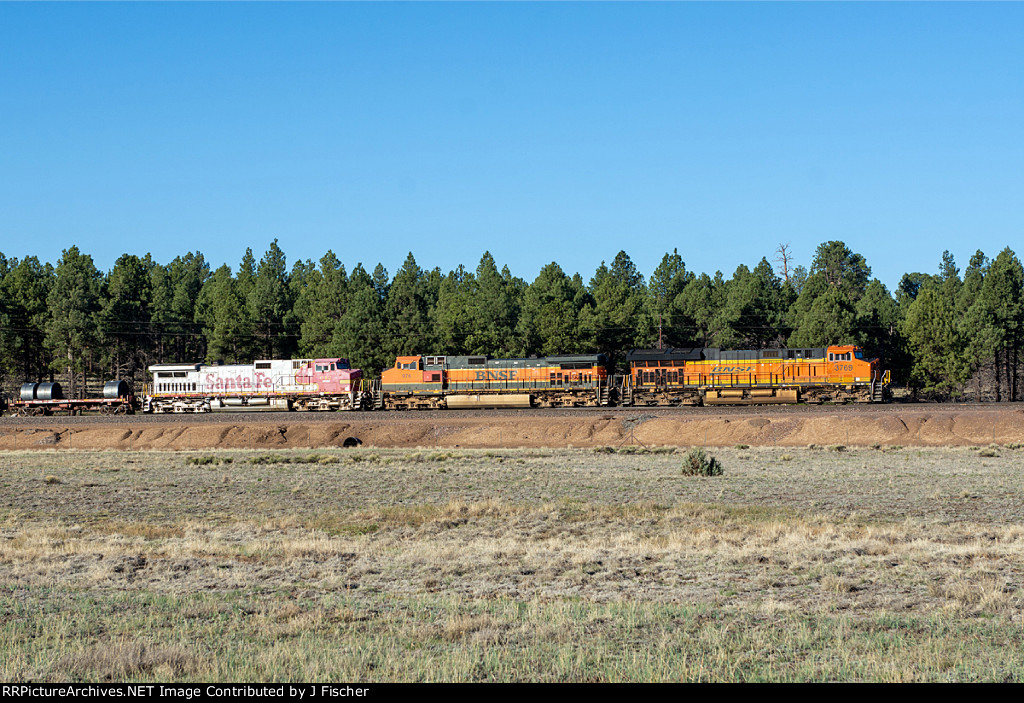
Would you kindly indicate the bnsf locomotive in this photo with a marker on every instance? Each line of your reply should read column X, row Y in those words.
column 482, row 382
column 711, row 376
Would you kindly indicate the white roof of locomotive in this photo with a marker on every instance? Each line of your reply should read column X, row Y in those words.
column 175, row 367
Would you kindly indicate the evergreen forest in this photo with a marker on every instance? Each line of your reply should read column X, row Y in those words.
column 955, row 333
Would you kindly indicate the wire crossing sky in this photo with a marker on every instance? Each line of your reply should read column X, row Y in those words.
column 539, row 132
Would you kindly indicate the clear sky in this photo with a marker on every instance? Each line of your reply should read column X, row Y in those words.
column 540, row 132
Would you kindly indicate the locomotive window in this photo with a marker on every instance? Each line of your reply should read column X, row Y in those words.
column 332, row 367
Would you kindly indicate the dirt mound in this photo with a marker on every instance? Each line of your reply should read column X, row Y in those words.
column 911, row 427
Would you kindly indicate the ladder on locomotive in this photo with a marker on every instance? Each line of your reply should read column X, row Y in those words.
column 878, row 388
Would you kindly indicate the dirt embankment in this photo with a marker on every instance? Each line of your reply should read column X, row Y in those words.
column 912, row 427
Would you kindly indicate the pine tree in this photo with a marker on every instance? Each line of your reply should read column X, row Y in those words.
column 996, row 322
column 24, row 290
column 124, row 315
column 269, row 303
column 619, row 316
column 450, row 317
column 361, row 333
column 220, row 310
column 700, row 303
column 321, row 305
column 406, row 311
column 667, row 282
column 841, row 268
column 549, row 322
column 73, row 302
column 831, row 319
column 936, row 349
column 493, row 310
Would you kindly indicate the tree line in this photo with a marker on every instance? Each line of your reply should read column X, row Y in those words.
column 945, row 335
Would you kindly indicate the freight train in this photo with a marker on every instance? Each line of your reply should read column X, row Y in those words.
column 657, row 377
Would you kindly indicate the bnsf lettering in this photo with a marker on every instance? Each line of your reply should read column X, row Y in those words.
column 732, row 369
column 496, row 375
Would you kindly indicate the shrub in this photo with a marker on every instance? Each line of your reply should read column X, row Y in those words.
column 698, row 463
column 207, row 460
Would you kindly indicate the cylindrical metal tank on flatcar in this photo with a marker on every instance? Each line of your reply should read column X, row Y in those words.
column 116, row 389
column 49, row 391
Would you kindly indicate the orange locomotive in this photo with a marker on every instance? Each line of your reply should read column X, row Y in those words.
column 483, row 382
column 712, row 376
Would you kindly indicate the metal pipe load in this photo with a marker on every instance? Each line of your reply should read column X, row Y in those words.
column 115, row 389
column 49, row 391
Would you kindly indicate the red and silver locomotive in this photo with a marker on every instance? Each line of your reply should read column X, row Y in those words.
column 275, row 384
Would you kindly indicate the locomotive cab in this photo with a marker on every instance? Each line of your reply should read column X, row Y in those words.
column 328, row 375
column 415, row 374
column 847, row 364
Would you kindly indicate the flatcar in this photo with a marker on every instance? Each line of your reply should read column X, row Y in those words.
column 710, row 376
column 423, row 382
column 270, row 384
column 48, row 399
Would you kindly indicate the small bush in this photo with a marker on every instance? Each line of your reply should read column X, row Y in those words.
column 742, row 446
column 207, row 460
column 988, row 451
column 698, row 463
column 270, row 459
column 786, row 457
column 839, row 448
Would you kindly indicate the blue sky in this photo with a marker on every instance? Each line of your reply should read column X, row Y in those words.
column 540, row 132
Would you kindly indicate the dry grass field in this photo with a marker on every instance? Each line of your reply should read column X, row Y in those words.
column 887, row 564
